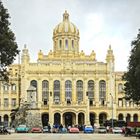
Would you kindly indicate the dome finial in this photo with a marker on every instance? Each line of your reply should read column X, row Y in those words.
column 65, row 16
column 109, row 46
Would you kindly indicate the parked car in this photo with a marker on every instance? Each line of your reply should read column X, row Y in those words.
column 117, row 130
column 46, row 129
column 73, row 130
column 36, row 130
column 102, row 129
column 64, row 130
column 22, row 128
column 10, row 129
column 88, row 129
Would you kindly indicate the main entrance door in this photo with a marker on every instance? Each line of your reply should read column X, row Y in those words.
column 68, row 117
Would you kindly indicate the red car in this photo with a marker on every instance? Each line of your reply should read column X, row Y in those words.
column 73, row 130
column 36, row 130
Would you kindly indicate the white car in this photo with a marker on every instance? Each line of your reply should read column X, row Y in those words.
column 117, row 130
column 10, row 130
column 102, row 129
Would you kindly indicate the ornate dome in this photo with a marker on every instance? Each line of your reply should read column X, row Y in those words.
column 65, row 38
column 66, row 27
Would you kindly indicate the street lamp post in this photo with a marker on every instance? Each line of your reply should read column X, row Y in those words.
column 112, row 109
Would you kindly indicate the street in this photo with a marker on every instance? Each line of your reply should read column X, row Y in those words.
column 30, row 136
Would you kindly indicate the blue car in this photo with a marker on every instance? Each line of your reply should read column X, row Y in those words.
column 88, row 129
column 22, row 128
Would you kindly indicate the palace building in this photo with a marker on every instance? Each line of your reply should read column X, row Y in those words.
column 66, row 86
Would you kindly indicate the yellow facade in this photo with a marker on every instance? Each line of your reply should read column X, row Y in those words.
column 69, row 86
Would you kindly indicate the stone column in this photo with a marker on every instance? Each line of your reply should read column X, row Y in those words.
column 62, row 119
column 51, row 115
column 50, row 91
column 96, row 96
column 62, row 91
column 97, row 121
column 131, row 118
column 39, row 94
column 9, row 120
column 76, row 122
column 87, row 112
column 2, row 118
column 85, row 90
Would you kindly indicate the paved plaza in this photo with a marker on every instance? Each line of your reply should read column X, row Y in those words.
column 65, row 137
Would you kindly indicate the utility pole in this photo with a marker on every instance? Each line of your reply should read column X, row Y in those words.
column 112, row 109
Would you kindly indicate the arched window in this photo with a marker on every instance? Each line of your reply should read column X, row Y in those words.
column 91, row 89
column 135, row 118
column 128, row 118
column 56, row 91
column 66, row 43
column 102, row 91
column 120, row 87
column 6, row 119
column 60, row 43
column 79, row 89
column 72, row 43
column 34, row 84
column 68, row 91
column 120, row 116
column 45, row 92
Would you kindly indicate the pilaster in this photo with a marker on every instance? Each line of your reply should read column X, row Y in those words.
column 74, row 91
column 85, row 90
column 97, row 92
column 39, row 93
column 62, row 95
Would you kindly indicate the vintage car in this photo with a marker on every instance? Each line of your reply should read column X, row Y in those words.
column 46, row 129
column 88, row 129
column 22, row 128
column 73, row 130
column 117, row 130
column 10, row 129
column 36, row 130
column 64, row 130
column 102, row 129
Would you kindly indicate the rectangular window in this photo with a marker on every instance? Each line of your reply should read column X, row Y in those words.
column 13, row 102
column 127, row 103
column 91, row 102
column 6, row 102
column 5, row 88
column 120, row 102
column 13, row 87
column 45, row 101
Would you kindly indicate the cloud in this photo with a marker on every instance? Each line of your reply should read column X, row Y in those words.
column 100, row 23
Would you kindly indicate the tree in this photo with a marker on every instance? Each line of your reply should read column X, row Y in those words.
column 8, row 46
column 132, row 76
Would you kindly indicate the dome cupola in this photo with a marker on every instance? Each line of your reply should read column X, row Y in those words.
column 66, row 36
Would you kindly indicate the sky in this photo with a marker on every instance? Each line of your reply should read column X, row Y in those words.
column 101, row 23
